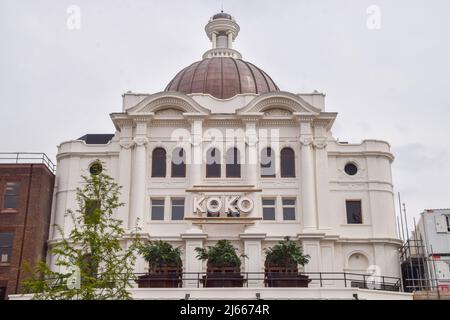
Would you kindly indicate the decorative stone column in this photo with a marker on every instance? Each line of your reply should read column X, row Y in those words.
column 126, row 145
column 196, row 152
column 251, row 163
column 307, row 178
column 230, row 40
column 322, row 188
column 214, row 40
column 69, row 193
column 138, row 189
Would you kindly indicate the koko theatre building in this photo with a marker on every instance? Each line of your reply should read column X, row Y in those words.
column 224, row 153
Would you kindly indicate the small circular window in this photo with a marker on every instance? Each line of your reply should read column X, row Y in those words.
column 96, row 168
column 351, row 169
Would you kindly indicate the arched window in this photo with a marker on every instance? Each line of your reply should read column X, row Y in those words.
column 213, row 163
column 233, row 163
column 178, row 163
column 267, row 163
column 159, row 163
column 287, row 163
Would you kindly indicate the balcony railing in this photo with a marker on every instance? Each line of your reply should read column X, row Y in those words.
column 27, row 157
column 261, row 279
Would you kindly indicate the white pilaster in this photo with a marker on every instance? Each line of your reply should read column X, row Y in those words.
column 126, row 145
column 312, row 248
column 253, row 262
column 193, row 239
column 321, row 177
column 251, row 163
column 195, row 175
column 139, row 176
column 307, row 178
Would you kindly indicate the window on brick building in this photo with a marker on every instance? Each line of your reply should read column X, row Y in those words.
column 2, row 293
column 11, row 197
column 6, row 244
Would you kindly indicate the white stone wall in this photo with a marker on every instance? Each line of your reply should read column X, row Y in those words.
column 320, row 186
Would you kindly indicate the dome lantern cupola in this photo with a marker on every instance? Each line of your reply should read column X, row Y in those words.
column 222, row 73
column 222, row 30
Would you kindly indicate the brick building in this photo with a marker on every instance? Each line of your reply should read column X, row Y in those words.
column 26, row 191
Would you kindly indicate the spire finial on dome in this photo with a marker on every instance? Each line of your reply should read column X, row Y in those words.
column 222, row 30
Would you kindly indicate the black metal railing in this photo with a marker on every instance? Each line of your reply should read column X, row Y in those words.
column 27, row 157
column 261, row 279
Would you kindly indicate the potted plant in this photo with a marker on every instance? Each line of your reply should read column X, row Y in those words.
column 281, row 265
column 164, row 265
column 223, row 265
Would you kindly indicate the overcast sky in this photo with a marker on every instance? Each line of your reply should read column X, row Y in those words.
column 391, row 83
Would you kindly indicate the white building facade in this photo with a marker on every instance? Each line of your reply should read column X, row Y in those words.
column 223, row 153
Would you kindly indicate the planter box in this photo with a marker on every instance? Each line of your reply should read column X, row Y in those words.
column 223, row 278
column 166, row 277
column 159, row 281
column 281, row 277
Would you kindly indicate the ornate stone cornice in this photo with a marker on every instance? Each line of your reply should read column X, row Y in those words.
column 303, row 117
column 143, row 118
column 169, row 123
column 277, row 122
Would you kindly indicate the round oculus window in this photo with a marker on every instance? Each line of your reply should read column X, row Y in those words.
column 351, row 169
column 96, row 168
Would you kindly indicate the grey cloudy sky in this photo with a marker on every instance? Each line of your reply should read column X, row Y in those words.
column 393, row 84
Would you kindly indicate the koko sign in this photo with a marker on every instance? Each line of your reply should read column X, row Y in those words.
column 223, row 204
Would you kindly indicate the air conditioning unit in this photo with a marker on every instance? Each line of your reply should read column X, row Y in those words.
column 4, row 258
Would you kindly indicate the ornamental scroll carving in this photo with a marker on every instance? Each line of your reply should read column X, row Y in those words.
column 126, row 144
column 140, row 141
column 306, row 141
column 320, row 143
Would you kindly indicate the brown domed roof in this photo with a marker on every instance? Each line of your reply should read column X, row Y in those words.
column 223, row 78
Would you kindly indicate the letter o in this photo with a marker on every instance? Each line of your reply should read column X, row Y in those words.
column 245, row 208
column 211, row 207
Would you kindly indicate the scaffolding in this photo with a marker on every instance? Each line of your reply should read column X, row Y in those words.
column 418, row 262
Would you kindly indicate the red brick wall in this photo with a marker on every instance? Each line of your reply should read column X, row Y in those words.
column 34, row 211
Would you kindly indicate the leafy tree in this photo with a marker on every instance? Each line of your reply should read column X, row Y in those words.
column 160, row 254
column 286, row 253
column 93, row 246
column 222, row 254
